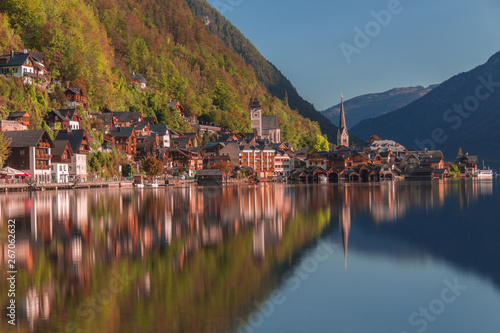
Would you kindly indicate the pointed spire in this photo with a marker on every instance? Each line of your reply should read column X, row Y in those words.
column 342, row 114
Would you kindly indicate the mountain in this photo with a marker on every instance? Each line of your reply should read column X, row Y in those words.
column 95, row 44
column 463, row 111
column 276, row 83
column 373, row 105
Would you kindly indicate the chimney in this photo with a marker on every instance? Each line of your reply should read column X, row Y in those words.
column 12, row 53
column 25, row 51
column 67, row 84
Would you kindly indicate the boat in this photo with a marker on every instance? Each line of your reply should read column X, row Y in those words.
column 322, row 178
column 153, row 185
column 483, row 174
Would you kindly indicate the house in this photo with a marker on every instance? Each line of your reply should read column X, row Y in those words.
column 231, row 150
column 138, row 79
column 21, row 117
column 63, row 119
column 213, row 147
column 22, row 64
column 194, row 138
column 147, row 146
column 259, row 157
column 161, row 130
column 317, row 159
column 211, row 177
column 211, row 160
column 419, row 173
column 177, row 106
column 76, row 97
column 31, row 153
column 126, row 119
column 467, row 164
column 186, row 160
column 358, row 158
column 80, row 148
column 61, row 161
column 432, row 162
column 124, row 139
column 387, row 145
column 182, row 142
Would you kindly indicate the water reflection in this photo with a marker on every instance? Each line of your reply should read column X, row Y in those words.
column 198, row 256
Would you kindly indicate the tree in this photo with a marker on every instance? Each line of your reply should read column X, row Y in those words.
column 454, row 171
column 4, row 149
column 319, row 143
column 374, row 138
column 152, row 167
column 127, row 170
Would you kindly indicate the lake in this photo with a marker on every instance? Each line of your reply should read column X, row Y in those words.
column 381, row 257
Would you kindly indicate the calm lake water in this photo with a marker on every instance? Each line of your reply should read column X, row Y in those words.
column 392, row 257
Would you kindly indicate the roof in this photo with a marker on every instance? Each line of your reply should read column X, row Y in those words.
column 183, row 142
column 75, row 137
column 75, row 90
column 106, row 117
column 18, row 60
column 432, row 160
column 210, row 172
column 213, row 144
column 141, row 125
column 17, row 115
column 269, row 123
column 121, row 132
column 62, row 113
column 173, row 103
column 136, row 76
column 160, row 129
column 59, row 146
column 125, row 116
column 23, row 139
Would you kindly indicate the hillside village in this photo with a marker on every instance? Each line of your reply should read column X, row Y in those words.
column 66, row 155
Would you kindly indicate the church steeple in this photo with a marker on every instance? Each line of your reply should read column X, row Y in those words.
column 342, row 134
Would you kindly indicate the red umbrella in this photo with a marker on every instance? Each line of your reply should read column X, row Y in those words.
column 23, row 175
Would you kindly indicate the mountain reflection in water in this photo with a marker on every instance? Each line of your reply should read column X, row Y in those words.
column 192, row 259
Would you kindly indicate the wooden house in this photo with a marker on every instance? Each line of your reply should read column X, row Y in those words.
column 63, row 119
column 124, row 139
column 76, row 97
column 31, row 153
column 21, row 117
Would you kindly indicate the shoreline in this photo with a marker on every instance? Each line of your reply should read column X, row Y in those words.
column 5, row 188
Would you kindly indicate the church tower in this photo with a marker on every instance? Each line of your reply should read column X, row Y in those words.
column 342, row 134
column 256, row 117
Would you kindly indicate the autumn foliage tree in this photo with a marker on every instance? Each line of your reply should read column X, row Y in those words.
column 152, row 167
column 4, row 149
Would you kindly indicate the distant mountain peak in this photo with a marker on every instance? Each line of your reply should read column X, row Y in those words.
column 374, row 104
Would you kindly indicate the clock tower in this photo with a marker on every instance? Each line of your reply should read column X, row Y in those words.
column 256, row 117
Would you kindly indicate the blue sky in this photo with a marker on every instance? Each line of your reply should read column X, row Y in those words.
column 425, row 42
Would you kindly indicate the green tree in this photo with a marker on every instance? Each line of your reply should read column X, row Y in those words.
column 319, row 143
column 127, row 170
column 152, row 167
column 454, row 171
column 4, row 149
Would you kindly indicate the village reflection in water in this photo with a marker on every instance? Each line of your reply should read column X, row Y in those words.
column 197, row 255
